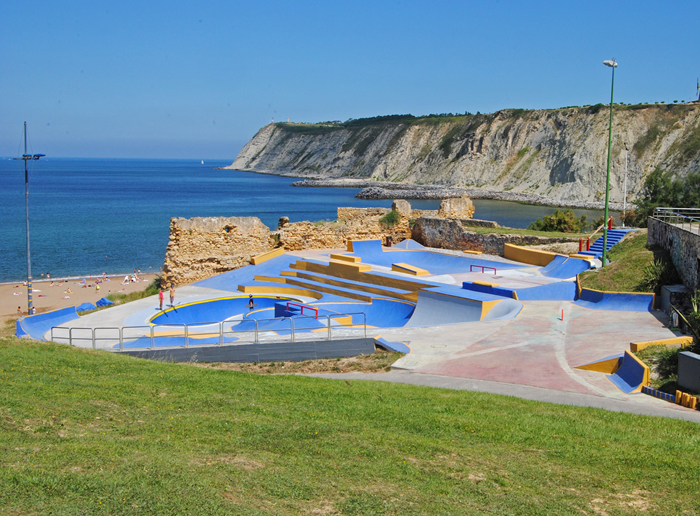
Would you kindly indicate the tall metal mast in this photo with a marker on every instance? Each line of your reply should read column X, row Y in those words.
column 26, row 157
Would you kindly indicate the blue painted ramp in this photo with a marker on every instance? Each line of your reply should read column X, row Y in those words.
column 36, row 326
column 392, row 346
column 380, row 313
column 213, row 310
column 408, row 244
column 435, row 263
column 631, row 376
column 245, row 275
column 448, row 305
column 559, row 291
column 563, row 267
column 367, row 248
column 616, row 301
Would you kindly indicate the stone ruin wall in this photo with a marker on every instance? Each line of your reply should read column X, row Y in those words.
column 203, row 247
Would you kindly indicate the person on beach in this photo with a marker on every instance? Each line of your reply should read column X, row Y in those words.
column 172, row 295
column 19, row 310
column 97, row 287
column 160, row 298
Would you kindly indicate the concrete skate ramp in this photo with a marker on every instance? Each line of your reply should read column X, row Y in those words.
column 632, row 374
column 365, row 248
column 408, row 244
column 559, row 291
column 245, row 275
column 618, row 301
column 380, row 313
column 442, row 306
column 436, row 263
column 36, row 326
column 563, row 267
column 212, row 310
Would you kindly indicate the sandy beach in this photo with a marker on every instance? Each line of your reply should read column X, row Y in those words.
column 46, row 297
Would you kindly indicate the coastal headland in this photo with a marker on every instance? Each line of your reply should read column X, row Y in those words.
column 552, row 156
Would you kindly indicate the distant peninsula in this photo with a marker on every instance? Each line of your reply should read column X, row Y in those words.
column 553, row 156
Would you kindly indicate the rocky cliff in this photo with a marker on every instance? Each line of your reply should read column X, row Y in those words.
column 557, row 154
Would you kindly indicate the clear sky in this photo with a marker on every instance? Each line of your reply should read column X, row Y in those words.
column 185, row 79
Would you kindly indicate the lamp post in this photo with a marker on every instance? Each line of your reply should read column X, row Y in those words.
column 624, row 199
column 612, row 64
column 27, row 157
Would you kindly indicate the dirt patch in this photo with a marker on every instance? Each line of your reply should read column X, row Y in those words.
column 374, row 363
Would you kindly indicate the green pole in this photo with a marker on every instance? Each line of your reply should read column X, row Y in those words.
column 607, row 179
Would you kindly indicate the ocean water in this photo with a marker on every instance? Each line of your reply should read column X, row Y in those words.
column 89, row 216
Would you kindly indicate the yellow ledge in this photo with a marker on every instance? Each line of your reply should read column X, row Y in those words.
column 683, row 341
column 346, row 258
column 261, row 258
column 408, row 269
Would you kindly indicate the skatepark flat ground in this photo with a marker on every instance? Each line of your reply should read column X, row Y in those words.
column 535, row 352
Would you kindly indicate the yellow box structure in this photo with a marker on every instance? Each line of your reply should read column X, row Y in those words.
column 472, row 252
column 525, row 255
column 408, row 269
column 485, row 283
column 682, row 341
column 346, row 258
column 261, row 258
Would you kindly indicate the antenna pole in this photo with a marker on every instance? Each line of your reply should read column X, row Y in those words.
column 26, row 157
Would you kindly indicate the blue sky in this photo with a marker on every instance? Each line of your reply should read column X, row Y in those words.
column 175, row 79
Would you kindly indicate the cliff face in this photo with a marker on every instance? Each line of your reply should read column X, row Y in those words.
column 559, row 154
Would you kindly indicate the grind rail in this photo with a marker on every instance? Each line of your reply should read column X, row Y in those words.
column 684, row 218
column 115, row 335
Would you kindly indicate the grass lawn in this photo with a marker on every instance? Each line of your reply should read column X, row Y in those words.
column 625, row 273
column 532, row 232
column 87, row 432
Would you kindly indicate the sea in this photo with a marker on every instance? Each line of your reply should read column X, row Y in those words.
column 89, row 216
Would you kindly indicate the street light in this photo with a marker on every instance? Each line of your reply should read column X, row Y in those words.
column 612, row 64
column 28, row 157
column 624, row 199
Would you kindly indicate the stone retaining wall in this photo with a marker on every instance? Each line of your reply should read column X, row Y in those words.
column 450, row 234
column 683, row 246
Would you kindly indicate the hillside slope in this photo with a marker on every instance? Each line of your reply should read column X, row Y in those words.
column 559, row 154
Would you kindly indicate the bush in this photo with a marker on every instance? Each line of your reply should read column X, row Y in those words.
column 662, row 189
column 391, row 219
column 657, row 274
column 563, row 221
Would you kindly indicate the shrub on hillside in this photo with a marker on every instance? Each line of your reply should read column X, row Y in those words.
column 563, row 221
column 391, row 219
column 662, row 189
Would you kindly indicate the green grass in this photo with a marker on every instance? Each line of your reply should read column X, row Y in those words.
column 151, row 290
column 88, row 432
column 528, row 232
column 626, row 272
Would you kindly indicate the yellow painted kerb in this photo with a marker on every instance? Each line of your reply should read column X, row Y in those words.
column 261, row 258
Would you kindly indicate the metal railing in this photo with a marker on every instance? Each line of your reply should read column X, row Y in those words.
column 271, row 329
column 684, row 218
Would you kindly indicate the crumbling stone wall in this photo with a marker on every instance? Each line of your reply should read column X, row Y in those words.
column 202, row 247
column 451, row 234
column 352, row 224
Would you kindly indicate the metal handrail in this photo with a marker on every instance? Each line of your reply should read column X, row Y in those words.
column 222, row 331
column 590, row 237
column 678, row 216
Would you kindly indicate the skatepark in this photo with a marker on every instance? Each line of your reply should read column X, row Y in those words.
column 455, row 315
